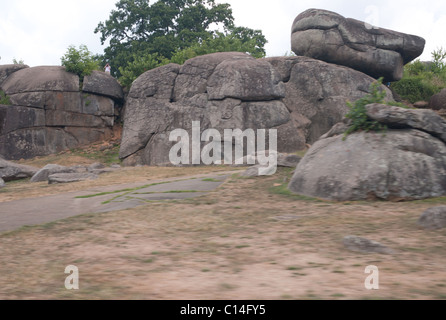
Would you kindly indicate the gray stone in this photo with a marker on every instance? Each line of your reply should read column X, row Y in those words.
column 13, row 118
column 49, row 114
column 2, row 183
column 70, row 177
column 395, row 165
column 395, row 117
column 259, row 170
column 363, row 245
column 288, row 160
column 35, row 79
column 101, row 83
column 300, row 97
column 49, row 169
column 193, row 76
column 330, row 37
column 433, row 218
column 246, row 80
column 8, row 69
column 317, row 93
column 438, row 101
column 10, row 171
column 95, row 166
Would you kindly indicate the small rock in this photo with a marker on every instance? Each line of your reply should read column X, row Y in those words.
column 288, row 160
column 115, row 166
column 433, row 218
column 70, row 177
column 259, row 170
column 49, row 169
column 2, row 183
column 421, row 105
column 95, row 166
column 357, row 244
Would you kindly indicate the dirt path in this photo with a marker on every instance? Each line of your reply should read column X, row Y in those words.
column 33, row 211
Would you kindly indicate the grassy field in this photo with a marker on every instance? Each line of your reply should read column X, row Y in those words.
column 249, row 239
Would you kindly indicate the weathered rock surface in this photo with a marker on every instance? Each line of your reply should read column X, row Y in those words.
column 49, row 169
column 7, row 69
column 70, row 177
column 316, row 94
column 300, row 97
column 438, row 101
column 396, row 165
column 51, row 78
column 400, row 118
column 363, row 245
column 330, row 37
column 49, row 114
column 101, row 83
column 10, row 171
column 433, row 218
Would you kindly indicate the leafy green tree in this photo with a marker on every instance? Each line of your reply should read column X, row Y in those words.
column 80, row 61
column 138, row 66
column 166, row 27
column 422, row 80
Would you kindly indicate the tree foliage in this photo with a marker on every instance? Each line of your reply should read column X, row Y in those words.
column 422, row 80
column 79, row 61
column 138, row 29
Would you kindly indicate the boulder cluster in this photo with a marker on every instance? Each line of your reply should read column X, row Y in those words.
column 304, row 97
column 48, row 113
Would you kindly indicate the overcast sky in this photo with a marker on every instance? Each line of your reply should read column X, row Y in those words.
column 39, row 32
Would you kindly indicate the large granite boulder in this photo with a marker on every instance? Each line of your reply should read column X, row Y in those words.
column 330, row 37
column 7, row 69
column 399, row 164
column 316, row 93
column 300, row 97
column 49, row 114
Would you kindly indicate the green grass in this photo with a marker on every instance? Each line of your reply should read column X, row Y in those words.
column 107, row 157
column 211, row 180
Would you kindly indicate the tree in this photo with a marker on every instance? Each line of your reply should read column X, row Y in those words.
column 79, row 61
column 137, row 28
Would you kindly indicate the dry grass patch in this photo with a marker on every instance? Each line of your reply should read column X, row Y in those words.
column 245, row 240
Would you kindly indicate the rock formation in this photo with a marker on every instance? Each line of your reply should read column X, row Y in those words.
column 10, row 171
column 330, row 37
column 406, row 162
column 48, row 112
column 300, row 97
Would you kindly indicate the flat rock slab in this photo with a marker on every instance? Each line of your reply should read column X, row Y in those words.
column 363, row 245
column 35, row 211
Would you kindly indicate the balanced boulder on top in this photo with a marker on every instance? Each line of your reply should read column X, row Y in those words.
column 330, row 37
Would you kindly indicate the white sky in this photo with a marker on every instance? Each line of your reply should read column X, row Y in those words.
column 39, row 32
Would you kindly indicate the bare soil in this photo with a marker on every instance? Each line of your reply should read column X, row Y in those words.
column 249, row 239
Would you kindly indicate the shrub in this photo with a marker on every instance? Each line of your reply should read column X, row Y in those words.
column 418, row 88
column 138, row 66
column 422, row 80
column 4, row 99
column 80, row 62
column 358, row 113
